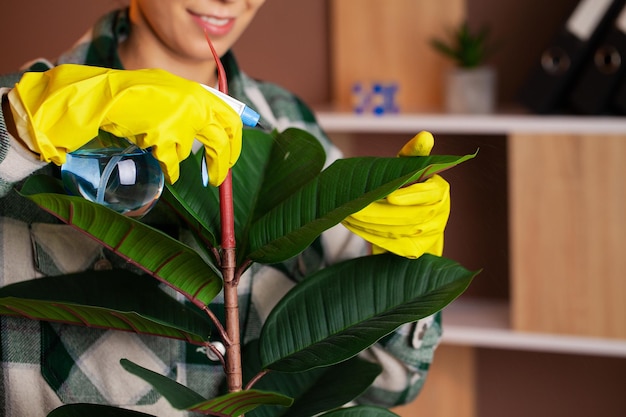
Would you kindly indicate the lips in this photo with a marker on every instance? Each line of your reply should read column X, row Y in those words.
column 216, row 26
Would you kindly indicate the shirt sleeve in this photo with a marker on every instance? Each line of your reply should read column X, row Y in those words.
column 405, row 356
column 16, row 161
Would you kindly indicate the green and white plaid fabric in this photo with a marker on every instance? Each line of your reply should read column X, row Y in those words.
column 43, row 365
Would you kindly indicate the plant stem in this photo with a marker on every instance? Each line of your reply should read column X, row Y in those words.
column 231, row 300
column 256, row 378
column 233, row 369
column 233, row 349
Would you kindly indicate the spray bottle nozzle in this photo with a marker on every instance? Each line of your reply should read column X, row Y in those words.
column 249, row 117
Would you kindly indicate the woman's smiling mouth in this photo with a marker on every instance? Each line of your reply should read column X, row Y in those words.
column 214, row 25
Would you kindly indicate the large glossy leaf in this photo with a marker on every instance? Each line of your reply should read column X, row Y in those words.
column 345, row 187
column 91, row 316
column 163, row 257
column 115, row 299
column 338, row 312
column 182, row 398
column 314, row 391
column 239, row 403
column 200, row 205
column 178, row 395
column 269, row 170
column 320, row 389
column 361, row 411
column 197, row 204
column 295, row 159
column 282, row 202
column 338, row 385
column 94, row 410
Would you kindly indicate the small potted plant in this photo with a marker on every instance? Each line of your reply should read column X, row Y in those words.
column 471, row 84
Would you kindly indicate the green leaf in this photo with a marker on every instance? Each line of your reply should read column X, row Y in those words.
column 296, row 158
column 116, row 299
column 178, row 395
column 361, row 411
column 82, row 315
column 467, row 48
column 247, row 176
column 345, row 187
column 197, row 204
column 338, row 385
column 270, row 169
column 94, row 410
column 182, row 398
column 239, row 403
column 161, row 256
column 314, row 391
column 340, row 311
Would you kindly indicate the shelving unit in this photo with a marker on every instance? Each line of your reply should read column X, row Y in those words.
column 486, row 324
column 498, row 124
column 542, row 206
column 566, row 192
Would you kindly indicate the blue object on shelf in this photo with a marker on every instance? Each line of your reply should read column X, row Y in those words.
column 378, row 98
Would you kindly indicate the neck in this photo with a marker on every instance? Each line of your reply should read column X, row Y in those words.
column 201, row 73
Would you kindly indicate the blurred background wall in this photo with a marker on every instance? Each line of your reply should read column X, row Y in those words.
column 289, row 41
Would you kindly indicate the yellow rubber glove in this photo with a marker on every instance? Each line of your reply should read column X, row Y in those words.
column 410, row 221
column 60, row 110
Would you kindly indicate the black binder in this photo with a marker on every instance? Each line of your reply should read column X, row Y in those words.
column 618, row 100
column 546, row 88
column 602, row 73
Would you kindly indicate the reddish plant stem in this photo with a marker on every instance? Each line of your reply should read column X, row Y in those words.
column 242, row 268
column 222, row 82
column 257, row 377
column 218, row 325
column 227, row 215
column 217, row 353
column 231, row 299
column 232, row 358
column 231, row 309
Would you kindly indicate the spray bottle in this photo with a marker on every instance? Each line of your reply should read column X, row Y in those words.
column 116, row 173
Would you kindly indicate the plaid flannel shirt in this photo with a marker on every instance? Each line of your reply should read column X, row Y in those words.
column 44, row 365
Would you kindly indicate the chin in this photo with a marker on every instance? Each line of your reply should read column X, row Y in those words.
column 202, row 50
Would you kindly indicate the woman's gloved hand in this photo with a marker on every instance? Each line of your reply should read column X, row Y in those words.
column 60, row 110
column 410, row 221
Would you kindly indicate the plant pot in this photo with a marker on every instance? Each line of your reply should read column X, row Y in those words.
column 470, row 90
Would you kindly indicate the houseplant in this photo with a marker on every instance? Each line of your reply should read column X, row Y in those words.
column 284, row 202
column 471, row 84
column 268, row 230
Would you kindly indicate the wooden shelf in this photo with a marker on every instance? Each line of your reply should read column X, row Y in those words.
column 481, row 322
column 497, row 124
column 485, row 323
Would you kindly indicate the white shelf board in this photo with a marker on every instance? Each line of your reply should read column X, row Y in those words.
column 485, row 323
column 497, row 124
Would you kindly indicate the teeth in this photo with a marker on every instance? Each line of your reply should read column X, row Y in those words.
column 214, row 20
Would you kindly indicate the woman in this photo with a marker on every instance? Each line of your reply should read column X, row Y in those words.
column 46, row 365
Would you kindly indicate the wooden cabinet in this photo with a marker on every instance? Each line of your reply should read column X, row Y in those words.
column 568, row 233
